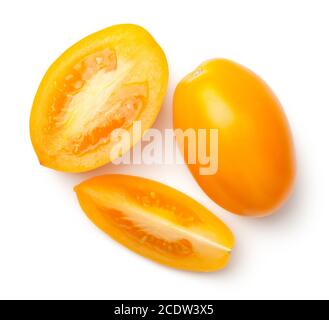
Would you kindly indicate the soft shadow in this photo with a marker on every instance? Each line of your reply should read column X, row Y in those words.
column 288, row 214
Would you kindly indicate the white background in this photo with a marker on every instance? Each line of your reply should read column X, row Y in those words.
column 49, row 249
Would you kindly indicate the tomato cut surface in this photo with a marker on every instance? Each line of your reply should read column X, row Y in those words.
column 157, row 222
column 105, row 82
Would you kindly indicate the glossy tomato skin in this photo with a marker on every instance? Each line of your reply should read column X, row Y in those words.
column 157, row 222
column 256, row 153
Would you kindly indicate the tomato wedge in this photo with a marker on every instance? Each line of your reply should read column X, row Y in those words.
column 157, row 222
column 105, row 82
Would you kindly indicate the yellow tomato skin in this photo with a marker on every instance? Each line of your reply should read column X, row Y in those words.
column 256, row 154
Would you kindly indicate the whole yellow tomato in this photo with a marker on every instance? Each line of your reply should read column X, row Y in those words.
column 256, row 160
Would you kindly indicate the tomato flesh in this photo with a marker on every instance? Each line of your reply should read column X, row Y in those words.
column 157, row 222
column 75, row 80
column 103, row 83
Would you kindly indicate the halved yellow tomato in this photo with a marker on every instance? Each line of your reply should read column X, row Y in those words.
column 104, row 82
column 157, row 222
column 256, row 161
